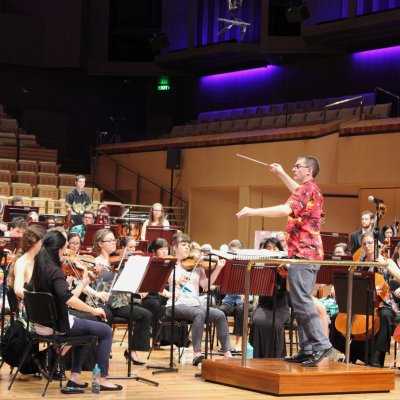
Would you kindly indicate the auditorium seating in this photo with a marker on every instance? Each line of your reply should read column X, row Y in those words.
column 294, row 113
column 21, row 189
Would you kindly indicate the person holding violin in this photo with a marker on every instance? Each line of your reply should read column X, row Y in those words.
column 381, row 343
column 87, row 218
column 304, row 209
column 79, row 278
column 187, row 302
column 48, row 277
column 118, row 305
column 156, row 218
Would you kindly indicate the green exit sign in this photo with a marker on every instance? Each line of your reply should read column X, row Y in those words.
column 163, row 83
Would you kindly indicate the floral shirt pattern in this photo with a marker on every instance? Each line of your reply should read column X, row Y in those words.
column 303, row 226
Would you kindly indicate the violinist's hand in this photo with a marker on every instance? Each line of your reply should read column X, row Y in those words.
column 99, row 312
column 276, row 169
column 397, row 292
column 221, row 263
column 85, row 278
column 103, row 296
column 246, row 212
column 99, row 267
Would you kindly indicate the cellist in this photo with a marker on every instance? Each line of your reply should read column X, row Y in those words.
column 381, row 342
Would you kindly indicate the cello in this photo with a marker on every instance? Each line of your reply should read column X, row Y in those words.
column 359, row 330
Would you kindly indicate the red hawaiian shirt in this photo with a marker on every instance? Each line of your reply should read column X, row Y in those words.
column 303, row 226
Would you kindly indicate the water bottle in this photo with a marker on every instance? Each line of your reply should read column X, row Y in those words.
column 249, row 351
column 96, row 379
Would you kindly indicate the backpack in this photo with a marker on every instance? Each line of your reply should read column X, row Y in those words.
column 13, row 347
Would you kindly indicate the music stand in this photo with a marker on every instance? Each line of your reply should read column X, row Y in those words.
column 11, row 212
column 165, row 232
column 363, row 282
column 142, row 274
column 91, row 229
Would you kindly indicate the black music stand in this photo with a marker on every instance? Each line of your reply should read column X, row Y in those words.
column 363, row 282
column 165, row 232
column 171, row 367
column 11, row 212
column 151, row 278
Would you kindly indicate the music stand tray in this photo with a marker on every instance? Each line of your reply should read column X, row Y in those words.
column 142, row 274
column 165, row 232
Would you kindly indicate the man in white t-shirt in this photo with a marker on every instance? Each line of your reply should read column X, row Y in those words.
column 187, row 302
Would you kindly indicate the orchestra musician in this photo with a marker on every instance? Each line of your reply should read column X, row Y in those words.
column 367, row 223
column 232, row 304
column 156, row 218
column 261, row 337
column 17, row 227
column 22, row 267
column 118, row 305
column 381, row 343
column 87, row 218
column 187, row 302
column 48, row 277
column 80, row 285
column 78, row 201
column 303, row 209
column 16, row 201
column 153, row 301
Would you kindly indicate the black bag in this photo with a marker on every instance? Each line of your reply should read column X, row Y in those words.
column 13, row 348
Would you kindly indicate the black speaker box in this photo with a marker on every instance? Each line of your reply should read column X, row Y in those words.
column 173, row 159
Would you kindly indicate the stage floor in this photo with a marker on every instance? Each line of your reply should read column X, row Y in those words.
column 275, row 376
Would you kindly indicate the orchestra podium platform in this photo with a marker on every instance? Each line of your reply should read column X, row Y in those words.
column 275, row 376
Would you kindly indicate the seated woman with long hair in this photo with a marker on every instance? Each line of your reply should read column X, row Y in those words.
column 48, row 277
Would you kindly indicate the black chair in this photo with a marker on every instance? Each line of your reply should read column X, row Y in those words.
column 12, row 312
column 41, row 309
column 181, row 326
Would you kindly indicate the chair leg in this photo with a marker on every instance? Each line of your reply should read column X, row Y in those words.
column 122, row 340
column 155, row 338
column 28, row 349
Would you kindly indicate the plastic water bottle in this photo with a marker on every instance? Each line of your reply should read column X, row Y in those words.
column 96, row 379
column 249, row 351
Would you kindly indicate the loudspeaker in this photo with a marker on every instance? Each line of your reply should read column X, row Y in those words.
column 173, row 159
column 297, row 13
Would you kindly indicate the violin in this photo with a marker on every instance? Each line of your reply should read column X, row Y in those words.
column 195, row 260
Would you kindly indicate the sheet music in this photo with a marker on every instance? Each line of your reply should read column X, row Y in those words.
column 132, row 274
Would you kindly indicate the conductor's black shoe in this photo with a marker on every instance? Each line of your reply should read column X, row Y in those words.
column 198, row 359
column 317, row 357
column 298, row 358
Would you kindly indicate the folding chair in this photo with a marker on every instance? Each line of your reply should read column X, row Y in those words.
column 41, row 309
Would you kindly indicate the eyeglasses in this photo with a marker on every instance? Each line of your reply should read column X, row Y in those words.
column 109, row 241
column 298, row 166
column 157, row 210
column 367, row 243
column 74, row 244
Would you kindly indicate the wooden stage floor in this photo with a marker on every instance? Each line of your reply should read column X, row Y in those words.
column 172, row 386
column 278, row 377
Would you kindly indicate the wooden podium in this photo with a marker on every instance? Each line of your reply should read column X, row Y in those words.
column 278, row 377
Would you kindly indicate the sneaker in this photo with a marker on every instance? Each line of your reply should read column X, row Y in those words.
column 198, row 359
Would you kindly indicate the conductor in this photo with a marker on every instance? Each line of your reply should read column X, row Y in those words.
column 303, row 209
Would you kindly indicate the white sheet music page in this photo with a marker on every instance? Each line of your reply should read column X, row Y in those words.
column 132, row 274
